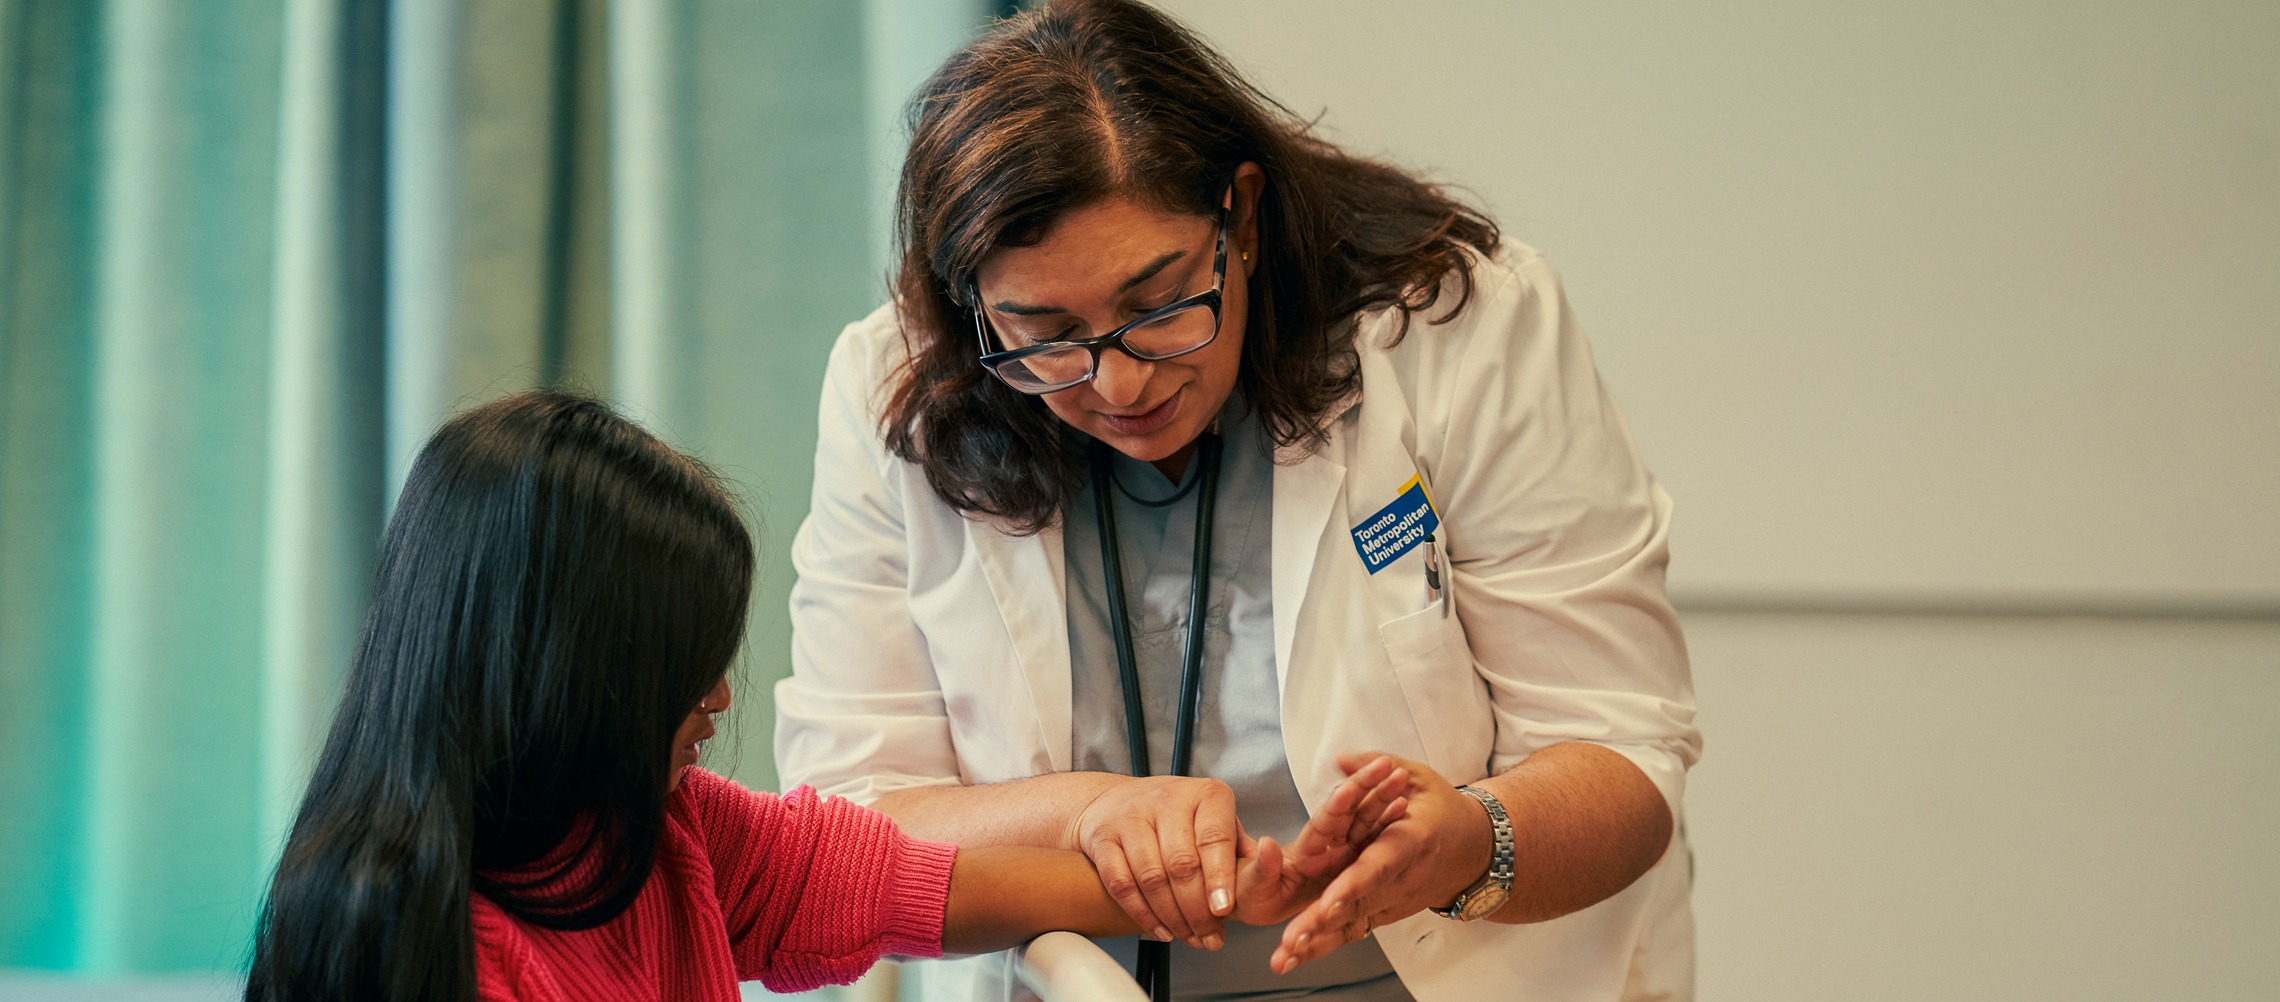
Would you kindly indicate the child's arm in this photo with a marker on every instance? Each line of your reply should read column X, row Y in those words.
column 790, row 870
column 811, row 891
column 1002, row 896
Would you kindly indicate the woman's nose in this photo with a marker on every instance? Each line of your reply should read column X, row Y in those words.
column 1120, row 378
column 718, row 699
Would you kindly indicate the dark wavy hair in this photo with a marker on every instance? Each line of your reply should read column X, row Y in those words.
column 557, row 591
column 1082, row 100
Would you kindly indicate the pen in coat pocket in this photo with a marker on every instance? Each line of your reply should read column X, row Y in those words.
column 1434, row 593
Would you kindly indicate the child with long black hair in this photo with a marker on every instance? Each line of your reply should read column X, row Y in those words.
column 507, row 805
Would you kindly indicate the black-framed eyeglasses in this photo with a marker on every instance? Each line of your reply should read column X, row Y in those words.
column 1167, row 331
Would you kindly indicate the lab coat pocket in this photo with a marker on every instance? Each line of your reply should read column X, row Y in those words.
column 1447, row 699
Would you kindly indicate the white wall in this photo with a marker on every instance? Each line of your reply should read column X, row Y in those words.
column 1902, row 808
column 1929, row 298
column 1955, row 330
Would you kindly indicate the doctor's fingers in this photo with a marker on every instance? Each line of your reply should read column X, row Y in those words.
column 1198, row 834
column 1377, row 889
column 1162, row 844
column 1199, row 862
column 1388, row 881
column 1333, row 821
column 1318, row 931
column 1219, row 843
column 1137, row 872
column 1116, row 878
column 1384, row 804
column 1419, row 773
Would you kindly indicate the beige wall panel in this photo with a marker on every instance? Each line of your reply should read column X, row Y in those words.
column 1909, row 808
column 1903, row 300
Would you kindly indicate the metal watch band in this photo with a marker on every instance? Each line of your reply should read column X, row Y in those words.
column 1500, row 863
column 1500, row 860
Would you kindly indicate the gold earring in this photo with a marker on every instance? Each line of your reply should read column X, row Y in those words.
column 1246, row 257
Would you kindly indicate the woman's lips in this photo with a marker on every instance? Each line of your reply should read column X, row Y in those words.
column 1145, row 421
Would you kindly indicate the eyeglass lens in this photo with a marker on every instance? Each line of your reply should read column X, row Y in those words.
column 1163, row 337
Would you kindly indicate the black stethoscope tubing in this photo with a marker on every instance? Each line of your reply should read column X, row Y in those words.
column 1154, row 968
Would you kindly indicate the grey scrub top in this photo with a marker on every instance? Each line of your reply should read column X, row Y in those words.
column 1238, row 735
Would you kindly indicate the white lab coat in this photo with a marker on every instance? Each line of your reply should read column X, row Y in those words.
column 929, row 648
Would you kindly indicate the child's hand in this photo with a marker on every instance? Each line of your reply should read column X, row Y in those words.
column 1272, row 884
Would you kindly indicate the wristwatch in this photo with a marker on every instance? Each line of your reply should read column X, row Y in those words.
column 1489, row 893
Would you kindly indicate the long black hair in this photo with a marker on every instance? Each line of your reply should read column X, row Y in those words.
column 1076, row 101
column 557, row 591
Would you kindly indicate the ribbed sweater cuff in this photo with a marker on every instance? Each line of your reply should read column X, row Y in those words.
column 917, row 899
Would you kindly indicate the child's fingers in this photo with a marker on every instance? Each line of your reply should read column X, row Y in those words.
column 1270, row 861
column 1315, row 837
column 1262, row 894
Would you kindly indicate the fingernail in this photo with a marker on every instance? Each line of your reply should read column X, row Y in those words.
column 1163, row 935
column 1214, row 941
column 1303, row 937
column 1221, row 901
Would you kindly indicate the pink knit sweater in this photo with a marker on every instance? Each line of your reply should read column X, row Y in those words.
column 795, row 891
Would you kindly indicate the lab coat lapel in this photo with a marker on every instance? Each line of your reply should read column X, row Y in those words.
column 1306, row 496
column 1028, row 578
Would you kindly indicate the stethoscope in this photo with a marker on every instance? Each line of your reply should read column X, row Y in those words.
column 1154, row 967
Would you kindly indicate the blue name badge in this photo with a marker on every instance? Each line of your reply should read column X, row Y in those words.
column 1397, row 528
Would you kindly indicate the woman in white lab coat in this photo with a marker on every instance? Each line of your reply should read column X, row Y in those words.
column 1151, row 341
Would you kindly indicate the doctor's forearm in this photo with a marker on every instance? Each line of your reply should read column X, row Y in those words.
column 1586, row 823
column 1038, row 811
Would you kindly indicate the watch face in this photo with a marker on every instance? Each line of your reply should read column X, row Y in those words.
column 1484, row 902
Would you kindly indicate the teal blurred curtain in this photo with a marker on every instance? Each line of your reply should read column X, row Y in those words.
column 253, row 251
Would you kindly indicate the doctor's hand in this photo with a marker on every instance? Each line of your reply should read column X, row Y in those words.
column 1165, row 847
column 1423, row 859
column 1274, row 882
